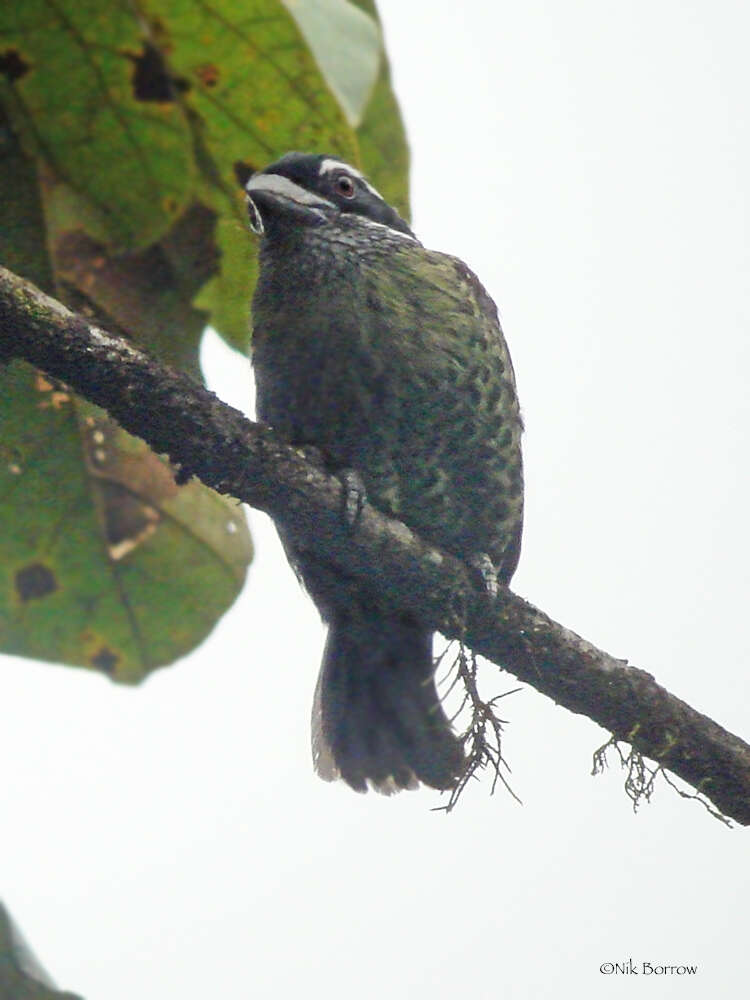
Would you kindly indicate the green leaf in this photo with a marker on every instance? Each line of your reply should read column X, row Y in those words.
column 103, row 587
column 123, row 130
column 75, row 102
column 108, row 564
column 162, row 102
column 347, row 44
column 21, row 975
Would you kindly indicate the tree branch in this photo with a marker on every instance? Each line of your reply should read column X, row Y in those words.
column 216, row 443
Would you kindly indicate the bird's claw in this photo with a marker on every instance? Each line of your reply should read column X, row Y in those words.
column 355, row 495
column 487, row 571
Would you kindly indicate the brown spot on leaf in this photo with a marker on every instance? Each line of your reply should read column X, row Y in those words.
column 12, row 65
column 151, row 78
column 34, row 581
column 105, row 659
column 58, row 394
column 208, row 74
column 57, row 400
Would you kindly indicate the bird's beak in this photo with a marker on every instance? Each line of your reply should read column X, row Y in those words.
column 271, row 193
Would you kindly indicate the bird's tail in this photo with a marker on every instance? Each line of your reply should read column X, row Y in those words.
column 377, row 716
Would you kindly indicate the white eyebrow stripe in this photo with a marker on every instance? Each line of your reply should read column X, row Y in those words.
column 328, row 165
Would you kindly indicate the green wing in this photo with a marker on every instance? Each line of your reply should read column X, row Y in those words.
column 452, row 426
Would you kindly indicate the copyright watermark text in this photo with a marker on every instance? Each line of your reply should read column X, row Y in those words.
column 631, row 968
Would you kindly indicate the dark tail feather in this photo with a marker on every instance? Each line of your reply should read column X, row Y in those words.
column 377, row 715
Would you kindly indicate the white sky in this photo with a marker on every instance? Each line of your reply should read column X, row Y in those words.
column 591, row 162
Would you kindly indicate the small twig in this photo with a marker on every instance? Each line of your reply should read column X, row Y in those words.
column 483, row 735
column 640, row 779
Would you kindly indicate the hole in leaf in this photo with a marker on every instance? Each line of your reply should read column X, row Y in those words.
column 34, row 581
column 12, row 65
column 128, row 521
column 105, row 659
column 151, row 78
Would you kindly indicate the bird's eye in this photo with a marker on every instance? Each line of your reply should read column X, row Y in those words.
column 345, row 186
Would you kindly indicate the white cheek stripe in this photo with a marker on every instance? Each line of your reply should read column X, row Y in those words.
column 329, row 165
column 391, row 230
column 284, row 188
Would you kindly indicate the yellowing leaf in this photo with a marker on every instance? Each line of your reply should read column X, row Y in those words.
column 104, row 561
column 75, row 100
column 124, row 128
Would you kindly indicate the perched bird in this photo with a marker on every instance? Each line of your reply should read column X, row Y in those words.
column 390, row 360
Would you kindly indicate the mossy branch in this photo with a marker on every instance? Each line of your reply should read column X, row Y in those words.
column 206, row 438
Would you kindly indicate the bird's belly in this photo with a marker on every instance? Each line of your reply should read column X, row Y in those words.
column 448, row 472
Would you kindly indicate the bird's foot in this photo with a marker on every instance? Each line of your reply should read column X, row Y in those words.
column 482, row 563
column 354, row 490
column 355, row 495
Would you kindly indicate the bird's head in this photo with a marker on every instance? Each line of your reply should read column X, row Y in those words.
column 314, row 189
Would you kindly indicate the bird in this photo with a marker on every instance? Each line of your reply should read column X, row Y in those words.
column 389, row 360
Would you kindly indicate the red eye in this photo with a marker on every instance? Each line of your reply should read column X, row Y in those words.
column 345, row 186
